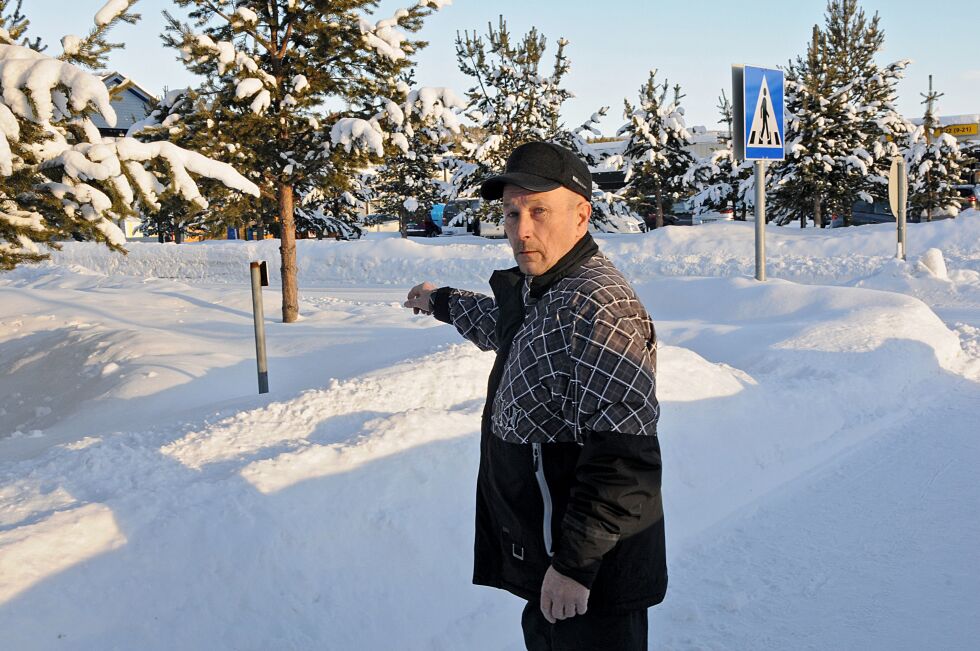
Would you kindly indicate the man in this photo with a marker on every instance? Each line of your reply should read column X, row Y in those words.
column 568, row 513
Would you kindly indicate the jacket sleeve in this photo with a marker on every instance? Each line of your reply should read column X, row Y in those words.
column 616, row 488
column 473, row 315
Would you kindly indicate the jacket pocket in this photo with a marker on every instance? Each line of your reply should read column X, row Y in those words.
column 545, row 496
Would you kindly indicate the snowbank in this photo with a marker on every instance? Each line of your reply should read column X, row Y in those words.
column 150, row 499
column 719, row 249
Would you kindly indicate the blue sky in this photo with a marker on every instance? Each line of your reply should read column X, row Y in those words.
column 613, row 45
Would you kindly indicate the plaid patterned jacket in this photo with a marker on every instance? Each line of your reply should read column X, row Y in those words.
column 583, row 360
column 570, row 465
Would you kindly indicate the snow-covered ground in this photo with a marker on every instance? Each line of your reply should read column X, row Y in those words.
column 819, row 435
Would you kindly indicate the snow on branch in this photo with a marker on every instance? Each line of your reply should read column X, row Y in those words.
column 435, row 103
column 355, row 132
column 111, row 11
column 34, row 85
column 384, row 37
column 53, row 159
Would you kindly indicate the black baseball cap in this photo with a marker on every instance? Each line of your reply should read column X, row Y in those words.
column 540, row 167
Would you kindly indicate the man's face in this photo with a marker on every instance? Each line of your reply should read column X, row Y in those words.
column 543, row 226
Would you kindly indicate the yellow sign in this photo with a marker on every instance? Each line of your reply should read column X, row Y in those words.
column 961, row 129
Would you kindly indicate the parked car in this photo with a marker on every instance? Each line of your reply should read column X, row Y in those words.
column 681, row 214
column 724, row 215
column 969, row 196
column 863, row 212
column 421, row 225
column 880, row 212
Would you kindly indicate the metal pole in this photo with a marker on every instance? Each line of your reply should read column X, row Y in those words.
column 259, row 316
column 760, row 220
column 901, row 216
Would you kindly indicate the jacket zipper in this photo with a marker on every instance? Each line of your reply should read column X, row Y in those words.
column 545, row 494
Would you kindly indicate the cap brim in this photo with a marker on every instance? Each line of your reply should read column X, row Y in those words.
column 493, row 188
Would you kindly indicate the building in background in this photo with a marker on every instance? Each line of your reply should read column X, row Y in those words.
column 609, row 179
column 132, row 103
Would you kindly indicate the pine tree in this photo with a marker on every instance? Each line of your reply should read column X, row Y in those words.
column 718, row 179
column 970, row 152
column 656, row 155
column 272, row 68
column 852, row 41
column 934, row 166
column 513, row 102
column 813, row 109
column 841, row 120
column 60, row 177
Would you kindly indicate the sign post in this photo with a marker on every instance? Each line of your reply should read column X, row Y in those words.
column 898, row 195
column 260, row 279
column 757, row 103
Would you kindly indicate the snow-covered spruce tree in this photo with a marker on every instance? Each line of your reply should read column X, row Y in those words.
column 655, row 155
column 611, row 211
column 507, row 103
column 195, row 120
column 853, row 41
column 840, row 117
column 934, row 166
column 272, row 69
column 423, row 125
column 970, row 160
column 512, row 101
column 59, row 177
column 801, row 184
column 718, row 178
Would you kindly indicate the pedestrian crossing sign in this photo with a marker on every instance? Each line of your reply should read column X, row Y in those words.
column 760, row 130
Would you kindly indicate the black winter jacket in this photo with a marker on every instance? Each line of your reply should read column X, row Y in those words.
column 570, row 465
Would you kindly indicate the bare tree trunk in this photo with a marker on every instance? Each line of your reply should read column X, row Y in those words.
column 817, row 214
column 929, row 197
column 287, row 253
column 659, row 222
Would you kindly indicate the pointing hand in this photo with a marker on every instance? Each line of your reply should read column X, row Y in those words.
column 420, row 297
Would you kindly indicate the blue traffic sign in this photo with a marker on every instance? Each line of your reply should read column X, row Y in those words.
column 764, row 128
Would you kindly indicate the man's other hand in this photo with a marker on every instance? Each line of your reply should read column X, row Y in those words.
column 562, row 597
column 419, row 298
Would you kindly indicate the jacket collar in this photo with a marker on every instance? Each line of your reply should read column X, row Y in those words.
column 584, row 249
column 579, row 254
column 507, row 283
